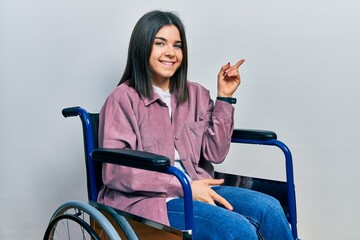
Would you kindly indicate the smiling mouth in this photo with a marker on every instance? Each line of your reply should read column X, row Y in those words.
column 167, row 63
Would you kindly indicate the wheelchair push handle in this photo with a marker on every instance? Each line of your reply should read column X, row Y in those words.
column 71, row 111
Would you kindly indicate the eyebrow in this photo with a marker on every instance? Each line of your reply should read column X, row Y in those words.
column 165, row 40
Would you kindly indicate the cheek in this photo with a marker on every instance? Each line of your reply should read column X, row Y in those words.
column 180, row 58
column 155, row 54
column 153, row 58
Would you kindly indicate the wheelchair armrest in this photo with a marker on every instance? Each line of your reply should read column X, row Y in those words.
column 152, row 162
column 131, row 158
column 251, row 134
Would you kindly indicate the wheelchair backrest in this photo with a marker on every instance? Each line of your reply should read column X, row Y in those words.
column 97, row 179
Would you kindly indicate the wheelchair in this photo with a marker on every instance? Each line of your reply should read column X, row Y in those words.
column 97, row 221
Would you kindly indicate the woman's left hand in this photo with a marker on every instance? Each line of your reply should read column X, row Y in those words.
column 229, row 79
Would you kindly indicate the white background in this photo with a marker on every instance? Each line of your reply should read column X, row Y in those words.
column 301, row 79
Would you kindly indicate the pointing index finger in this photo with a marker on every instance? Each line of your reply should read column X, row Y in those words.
column 238, row 64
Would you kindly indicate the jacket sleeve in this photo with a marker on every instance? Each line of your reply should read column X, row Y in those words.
column 218, row 131
column 118, row 128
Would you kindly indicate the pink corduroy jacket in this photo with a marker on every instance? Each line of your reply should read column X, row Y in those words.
column 200, row 130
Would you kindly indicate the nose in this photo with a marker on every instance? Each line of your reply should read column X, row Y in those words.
column 170, row 51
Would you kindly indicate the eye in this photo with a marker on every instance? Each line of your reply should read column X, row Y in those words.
column 178, row 46
column 159, row 44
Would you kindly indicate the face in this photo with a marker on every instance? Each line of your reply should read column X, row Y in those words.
column 166, row 56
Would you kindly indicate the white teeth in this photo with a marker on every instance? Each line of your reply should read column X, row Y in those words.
column 168, row 63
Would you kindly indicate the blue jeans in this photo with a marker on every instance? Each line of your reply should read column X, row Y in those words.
column 255, row 216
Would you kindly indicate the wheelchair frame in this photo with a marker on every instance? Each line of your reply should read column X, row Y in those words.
column 96, row 156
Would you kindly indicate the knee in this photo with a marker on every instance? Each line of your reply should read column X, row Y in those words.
column 272, row 206
column 272, row 202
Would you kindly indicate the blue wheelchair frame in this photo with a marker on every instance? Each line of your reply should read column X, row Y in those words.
column 96, row 156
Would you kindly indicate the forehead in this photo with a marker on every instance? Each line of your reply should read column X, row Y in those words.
column 169, row 32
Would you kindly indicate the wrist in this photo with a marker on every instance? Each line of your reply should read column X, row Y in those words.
column 219, row 94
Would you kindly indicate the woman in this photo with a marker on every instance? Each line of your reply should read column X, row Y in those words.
column 156, row 109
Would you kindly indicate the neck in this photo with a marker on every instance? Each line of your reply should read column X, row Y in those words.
column 164, row 84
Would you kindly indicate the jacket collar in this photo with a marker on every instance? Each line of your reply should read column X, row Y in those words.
column 156, row 98
column 148, row 101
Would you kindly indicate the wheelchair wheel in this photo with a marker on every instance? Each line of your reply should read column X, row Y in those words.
column 78, row 220
column 75, row 227
column 119, row 222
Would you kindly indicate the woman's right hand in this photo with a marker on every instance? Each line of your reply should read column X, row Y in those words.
column 201, row 191
column 229, row 79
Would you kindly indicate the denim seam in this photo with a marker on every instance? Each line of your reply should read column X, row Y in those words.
column 257, row 226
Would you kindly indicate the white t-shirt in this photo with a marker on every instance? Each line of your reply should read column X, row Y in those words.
column 165, row 96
